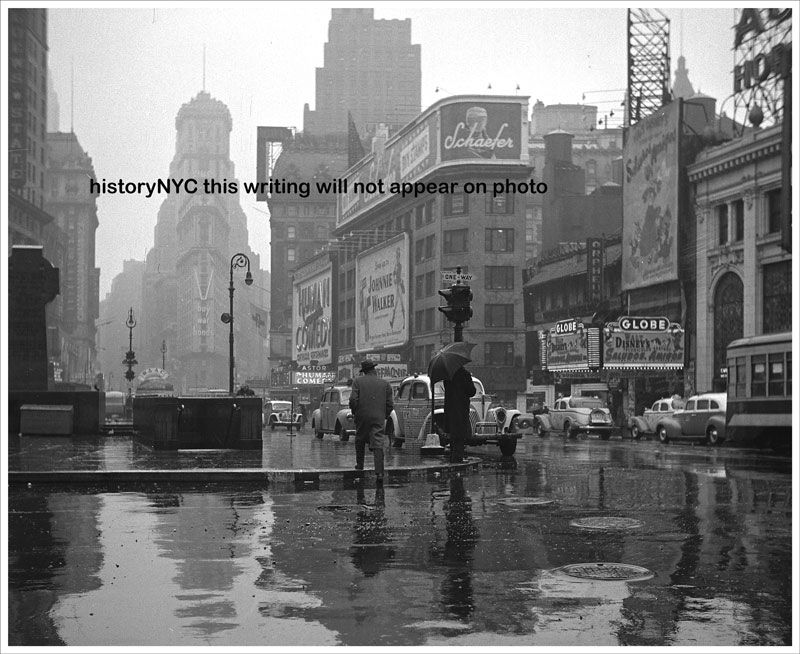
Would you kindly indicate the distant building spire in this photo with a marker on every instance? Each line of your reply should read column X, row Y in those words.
column 682, row 88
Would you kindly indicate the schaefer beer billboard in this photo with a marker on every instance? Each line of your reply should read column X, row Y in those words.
column 481, row 130
column 644, row 343
column 311, row 315
column 650, row 200
column 382, row 296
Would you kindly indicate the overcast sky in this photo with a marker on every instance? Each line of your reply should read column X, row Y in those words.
column 134, row 68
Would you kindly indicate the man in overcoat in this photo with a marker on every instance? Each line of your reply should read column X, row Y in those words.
column 457, row 392
column 371, row 403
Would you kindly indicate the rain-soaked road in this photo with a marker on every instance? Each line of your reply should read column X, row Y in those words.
column 466, row 561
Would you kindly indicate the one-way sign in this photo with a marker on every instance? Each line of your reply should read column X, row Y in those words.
column 454, row 277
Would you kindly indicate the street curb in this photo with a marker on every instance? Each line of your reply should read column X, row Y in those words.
column 292, row 479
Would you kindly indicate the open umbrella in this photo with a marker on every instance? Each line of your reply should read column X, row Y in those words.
column 451, row 357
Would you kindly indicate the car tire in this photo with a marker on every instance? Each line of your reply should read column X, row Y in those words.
column 343, row 435
column 513, row 428
column 712, row 436
column 317, row 434
column 568, row 429
column 663, row 435
column 636, row 434
column 525, row 423
column 538, row 429
column 271, row 424
column 508, row 445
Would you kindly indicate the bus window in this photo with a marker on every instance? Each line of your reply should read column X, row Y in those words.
column 776, row 374
column 758, row 379
column 741, row 377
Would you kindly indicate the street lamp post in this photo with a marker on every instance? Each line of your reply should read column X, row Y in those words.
column 163, row 355
column 130, row 356
column 238, row 260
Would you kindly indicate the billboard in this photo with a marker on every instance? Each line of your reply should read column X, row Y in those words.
column 644, row 343
column 567, row 346
column 382, row 282
column 481, row 130
column 311, row 315
column 403, row 160
column 650, row 200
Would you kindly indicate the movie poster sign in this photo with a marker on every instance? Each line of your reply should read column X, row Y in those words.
column 650, row 200
column 568, row 346
column 481, row 130
column 382, row 282
column 644, row 343
column 311, row 314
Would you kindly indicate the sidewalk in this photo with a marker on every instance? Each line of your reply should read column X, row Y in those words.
column 299, row 461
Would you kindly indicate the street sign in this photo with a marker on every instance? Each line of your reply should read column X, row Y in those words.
column 456, row 277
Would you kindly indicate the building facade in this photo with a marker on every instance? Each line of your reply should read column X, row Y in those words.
column 371, row 70
column 74, row 208
column 394, row 249
column 744, row 276
column 188, row 271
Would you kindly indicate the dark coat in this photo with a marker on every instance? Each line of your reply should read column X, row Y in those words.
column 371, row 403
column 457, row 392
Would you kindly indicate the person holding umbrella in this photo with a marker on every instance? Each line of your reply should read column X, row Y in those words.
column 448, row 365
column 371, row 403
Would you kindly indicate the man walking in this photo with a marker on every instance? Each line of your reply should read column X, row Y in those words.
column 457, row 392
column 371, row 403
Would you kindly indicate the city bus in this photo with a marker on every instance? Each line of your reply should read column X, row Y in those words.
column 759, row 412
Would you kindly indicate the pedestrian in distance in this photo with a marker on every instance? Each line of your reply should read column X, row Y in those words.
column 457, row 392
column 371, row 403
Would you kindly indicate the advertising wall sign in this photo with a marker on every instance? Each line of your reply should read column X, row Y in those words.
column 650, row 200
column 568, row 346
column 17, row 99
column 382, row 282
column 311, row 317
column 307, row 377
column 594, row 269
column 644, row 343
column 481, row 130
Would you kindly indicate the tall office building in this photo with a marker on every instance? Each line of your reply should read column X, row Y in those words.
column 74, row 208
column 371, row 69
column 185, row 286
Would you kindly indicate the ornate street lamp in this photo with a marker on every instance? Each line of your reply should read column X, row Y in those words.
column 130, row 356
column 163, row 355
column 237, row 261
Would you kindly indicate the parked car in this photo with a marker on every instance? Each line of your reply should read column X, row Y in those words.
column 703, row 417
column 574, row 415
column 648, row 421
column 278, row 413
column 333, row 415
column 411, row 417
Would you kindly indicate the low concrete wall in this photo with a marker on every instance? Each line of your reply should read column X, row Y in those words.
column 198, row 422
column 88, row 408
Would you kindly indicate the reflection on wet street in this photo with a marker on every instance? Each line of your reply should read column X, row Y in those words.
column 462, row 561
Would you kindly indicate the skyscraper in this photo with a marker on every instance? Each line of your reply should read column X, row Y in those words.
column 187, row 271
column 371, row 69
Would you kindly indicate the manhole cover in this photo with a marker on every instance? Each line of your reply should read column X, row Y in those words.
column 338, row 508
column 524, row 501
column 606, row 571
column 606, row 523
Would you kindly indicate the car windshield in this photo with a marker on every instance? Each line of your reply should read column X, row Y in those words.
column 586, row 403
column 344, row 396
column 438, row 388
column 281, row 406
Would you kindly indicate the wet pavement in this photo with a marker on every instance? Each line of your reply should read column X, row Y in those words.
column 487, row 557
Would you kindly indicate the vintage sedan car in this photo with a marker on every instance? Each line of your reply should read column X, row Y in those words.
column 411, row 418
column 574, row 415
column 648, row 421
column 278, row 413
column 334, row 415
column 703, row 417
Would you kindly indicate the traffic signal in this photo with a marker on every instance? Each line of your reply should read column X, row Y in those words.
column 458, row 298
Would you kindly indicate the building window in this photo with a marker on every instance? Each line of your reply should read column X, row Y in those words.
column 419, row 316
column 499, row 315
column 419, row 250
column 777, row 285
column 429, row 211
column 430, row 283
column 758, row 376
column 776, row 374
column 500, row 204
column 430, row 319
column 738, row 220
column 430, row 243
column 500, row 278
column 291, row 254
column 728, row 317
column 456, row 204
column 499, row 354
column 351, row 278
column 419, row 286
column 455, row 240
column 773, row 210
column 722, row 224
column 291, row 232
column 499, row 240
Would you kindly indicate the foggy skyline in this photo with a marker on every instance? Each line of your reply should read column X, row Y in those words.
column 133, row 69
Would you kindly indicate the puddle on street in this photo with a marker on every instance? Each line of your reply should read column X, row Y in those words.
column 467, row 561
